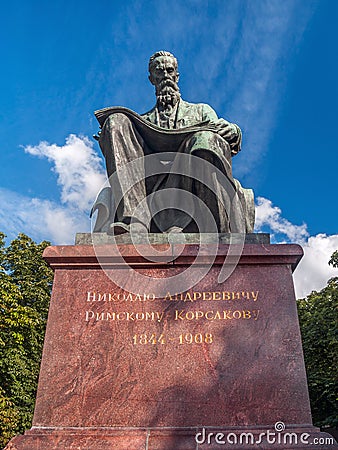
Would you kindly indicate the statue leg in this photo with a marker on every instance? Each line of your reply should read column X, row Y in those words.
column 122, row 146
column 203, row 181
column 215, row 150
column 223, row 199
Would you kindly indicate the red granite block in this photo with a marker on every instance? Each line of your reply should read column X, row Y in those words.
column 80, row 439
column 223, row 354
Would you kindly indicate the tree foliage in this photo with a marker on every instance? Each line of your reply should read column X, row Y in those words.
column 334, row 259
column 25, row 286
column 318, row 322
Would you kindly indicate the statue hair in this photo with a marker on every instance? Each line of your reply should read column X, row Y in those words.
column 157, row 55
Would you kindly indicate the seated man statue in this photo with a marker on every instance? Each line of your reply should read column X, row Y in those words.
column 180, row 148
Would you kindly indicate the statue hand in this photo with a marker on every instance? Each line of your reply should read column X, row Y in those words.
column 227, row 130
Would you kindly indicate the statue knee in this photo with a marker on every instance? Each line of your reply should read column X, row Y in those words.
column 205, row 134
column 206, row 139
column 117, row 120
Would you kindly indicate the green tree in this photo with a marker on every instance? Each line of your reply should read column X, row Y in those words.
column 334, row 259
column 318, row 322
column 25, row 286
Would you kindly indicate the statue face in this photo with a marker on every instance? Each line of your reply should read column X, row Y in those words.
column 163, row 69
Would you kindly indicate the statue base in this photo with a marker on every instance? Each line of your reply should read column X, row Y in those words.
column 193, row 438
column 217, row 366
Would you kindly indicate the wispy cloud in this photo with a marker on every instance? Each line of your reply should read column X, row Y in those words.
column 269, row 35
column 40, row 219
column 241, row 68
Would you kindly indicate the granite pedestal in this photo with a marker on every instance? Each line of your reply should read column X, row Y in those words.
column 187, row 371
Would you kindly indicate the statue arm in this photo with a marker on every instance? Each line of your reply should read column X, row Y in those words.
column 208, row 114
column 229, row 131
column 233, row 135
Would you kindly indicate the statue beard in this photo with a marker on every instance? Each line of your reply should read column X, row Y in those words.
column 167, row 93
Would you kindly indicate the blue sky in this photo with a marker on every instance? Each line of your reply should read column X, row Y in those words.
column 270, row 66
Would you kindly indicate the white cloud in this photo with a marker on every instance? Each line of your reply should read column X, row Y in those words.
column 269, row 215
column 79, row 169
column 80, row 177
column 313, row 271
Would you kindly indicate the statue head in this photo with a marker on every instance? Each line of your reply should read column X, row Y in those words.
column 164, row 76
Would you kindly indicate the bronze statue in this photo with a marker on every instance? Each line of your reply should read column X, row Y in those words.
column 176, row 135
